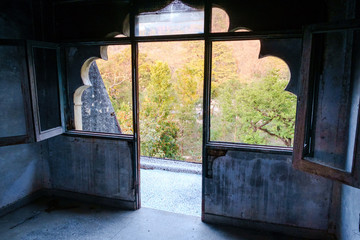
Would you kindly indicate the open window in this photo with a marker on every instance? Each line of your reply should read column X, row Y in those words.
column 46, row 89
column 249, row 104
column 327, row 132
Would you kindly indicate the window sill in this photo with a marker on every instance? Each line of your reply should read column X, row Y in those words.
column 250, row 148
column 75, row 133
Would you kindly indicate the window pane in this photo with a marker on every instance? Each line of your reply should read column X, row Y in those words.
column 219, row 20
column 107, row 105
column 12, row 117
column 335, row 98
column 248, row 100
column 47, row 85
column 175, row 18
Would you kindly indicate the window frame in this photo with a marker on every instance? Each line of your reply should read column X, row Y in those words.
column 303, row 133
column 101, row 43
column 41, row 135
column 208, row 37
column 246, row 36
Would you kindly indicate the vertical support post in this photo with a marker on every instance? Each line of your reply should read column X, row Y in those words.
column 135, row 96
column 206, row 104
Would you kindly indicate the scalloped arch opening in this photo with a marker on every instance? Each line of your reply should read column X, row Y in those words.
column 249, row 103
column 220, row 21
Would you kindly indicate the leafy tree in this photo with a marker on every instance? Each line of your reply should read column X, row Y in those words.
column 261, row 112
column 116, row 74
column 252, row 108
column 188, row 86
column 158, row 128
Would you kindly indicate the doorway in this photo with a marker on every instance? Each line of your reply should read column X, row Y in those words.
column 170, row 98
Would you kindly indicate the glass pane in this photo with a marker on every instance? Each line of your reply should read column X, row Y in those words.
column 175, row 18
column 335, row 76
column 12, row 117
column 248, row 100
column 107, row 105
column 47, row 85
column 171, row 90
column 219, row 20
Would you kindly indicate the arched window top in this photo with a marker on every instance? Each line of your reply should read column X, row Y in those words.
column 220, row 21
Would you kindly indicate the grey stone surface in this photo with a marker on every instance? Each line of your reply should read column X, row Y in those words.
column 61, row 219
column 98, row 114
column 171, row 191
column 170, row 165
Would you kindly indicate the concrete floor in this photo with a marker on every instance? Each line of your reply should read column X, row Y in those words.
column 175, row 192
column 56, row 219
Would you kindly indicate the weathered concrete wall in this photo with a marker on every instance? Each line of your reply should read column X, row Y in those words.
column 12, row 72
column 94, row 166
column 21, row 166
column 21, row 171
column 349, row 221
column 264, row 187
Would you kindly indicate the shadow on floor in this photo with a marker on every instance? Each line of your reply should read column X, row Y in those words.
column 65, row 219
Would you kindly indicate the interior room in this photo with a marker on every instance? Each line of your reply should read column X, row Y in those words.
column 286, row 167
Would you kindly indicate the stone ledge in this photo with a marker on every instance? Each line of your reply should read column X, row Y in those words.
column 170, row 165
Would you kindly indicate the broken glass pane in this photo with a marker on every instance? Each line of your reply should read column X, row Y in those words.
column 175, row 18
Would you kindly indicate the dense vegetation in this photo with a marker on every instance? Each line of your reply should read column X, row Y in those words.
column 248, row 104
column 248, row 101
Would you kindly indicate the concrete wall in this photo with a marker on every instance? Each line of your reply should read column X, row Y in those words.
column 349, row 221
column 21, row 171
column 264, row 187
column 94, row 166
column 21, row 166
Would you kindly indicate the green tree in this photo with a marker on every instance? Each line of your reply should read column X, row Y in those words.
column 158, row 129
column 260, row 112
column 116, row 74
column 188, row 84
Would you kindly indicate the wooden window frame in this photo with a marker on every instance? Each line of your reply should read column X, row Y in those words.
column 52, row 132
column 301, row 157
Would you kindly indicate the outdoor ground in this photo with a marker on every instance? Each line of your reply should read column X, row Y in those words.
column 172, row 186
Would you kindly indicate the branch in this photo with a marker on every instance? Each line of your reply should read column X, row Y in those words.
column 284, row 140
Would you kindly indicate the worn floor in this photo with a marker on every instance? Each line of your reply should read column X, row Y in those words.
column 175, row 192
column 53, row 219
